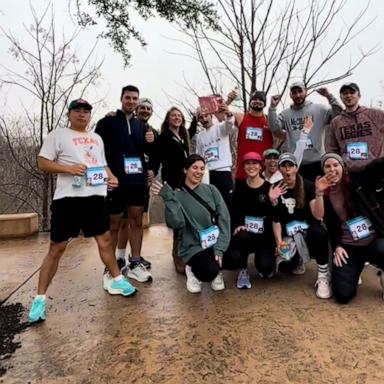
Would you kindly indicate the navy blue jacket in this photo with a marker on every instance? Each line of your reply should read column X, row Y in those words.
column 122, row 139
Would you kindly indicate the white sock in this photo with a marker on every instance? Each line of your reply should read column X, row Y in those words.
column 118, row 278
column 41, row 297
column 322, row 269
column 120, row 253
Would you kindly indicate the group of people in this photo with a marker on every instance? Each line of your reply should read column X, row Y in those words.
column 290, row 200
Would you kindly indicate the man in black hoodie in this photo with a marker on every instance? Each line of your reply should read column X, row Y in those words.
column 126, row 141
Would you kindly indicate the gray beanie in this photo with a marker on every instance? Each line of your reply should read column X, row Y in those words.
column 331, row 155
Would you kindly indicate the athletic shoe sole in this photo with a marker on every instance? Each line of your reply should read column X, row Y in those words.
column 120, row 292
column 133, row 276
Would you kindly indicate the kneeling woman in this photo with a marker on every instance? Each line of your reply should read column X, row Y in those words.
column 251, row 221
column 352, row 236
column 199, row 212
column 299, row 235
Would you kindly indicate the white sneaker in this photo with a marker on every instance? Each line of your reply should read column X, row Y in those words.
column 300, row 269
column 107, row 279
column 217, row 284
column 323, row 286
column 193, row 285
column 137, row 272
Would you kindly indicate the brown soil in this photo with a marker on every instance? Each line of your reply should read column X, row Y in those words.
column 275, row 333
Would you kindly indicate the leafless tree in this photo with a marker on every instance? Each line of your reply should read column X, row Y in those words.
column 51, row 73
column 265, row 44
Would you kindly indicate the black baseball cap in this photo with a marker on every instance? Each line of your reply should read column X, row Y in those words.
column 352, row 86
column 79, row 103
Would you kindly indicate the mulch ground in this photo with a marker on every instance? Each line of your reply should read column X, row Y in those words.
column 10, row 326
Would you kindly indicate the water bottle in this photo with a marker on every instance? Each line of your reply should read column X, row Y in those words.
column 77, row 181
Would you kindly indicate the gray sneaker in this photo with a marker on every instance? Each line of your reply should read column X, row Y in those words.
column 243, row 280
column 138, row 272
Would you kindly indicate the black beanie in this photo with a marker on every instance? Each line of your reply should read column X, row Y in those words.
column 259, row 95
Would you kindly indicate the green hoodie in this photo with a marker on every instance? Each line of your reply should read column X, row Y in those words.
column 184, row 213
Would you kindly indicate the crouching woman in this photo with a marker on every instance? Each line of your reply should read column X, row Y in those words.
column 352, row 236
column 199, row 212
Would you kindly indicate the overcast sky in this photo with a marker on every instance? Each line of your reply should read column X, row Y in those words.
column 157, row 71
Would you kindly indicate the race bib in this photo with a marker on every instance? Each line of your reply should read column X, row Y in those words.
column 360, row 227
column 95, row 176
column 254, row 224
column 133, row 165
column 308, row 143
column 296, row 226
column 209, row 236
column 211, row 154
column 357, row 151
column 254, row 134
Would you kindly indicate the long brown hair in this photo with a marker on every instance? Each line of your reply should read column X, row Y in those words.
column 299, row 193
column 182, row 130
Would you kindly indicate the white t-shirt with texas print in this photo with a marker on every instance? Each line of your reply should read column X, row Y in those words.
column 69, row 147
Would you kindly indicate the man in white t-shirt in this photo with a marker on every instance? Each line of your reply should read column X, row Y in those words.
column 213, row 144
column 77, row 157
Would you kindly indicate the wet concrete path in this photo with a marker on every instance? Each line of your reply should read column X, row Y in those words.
column 275, row 333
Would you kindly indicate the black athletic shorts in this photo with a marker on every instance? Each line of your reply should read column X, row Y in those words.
column 126, row 196
column 70, row 215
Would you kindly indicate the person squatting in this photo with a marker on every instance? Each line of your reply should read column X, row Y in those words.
column 289, row 202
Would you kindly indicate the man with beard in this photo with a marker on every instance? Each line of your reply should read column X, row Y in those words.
column 291, row 120
column 213, row 144
column 126, row 141
column 144, row 112
column 254, row 134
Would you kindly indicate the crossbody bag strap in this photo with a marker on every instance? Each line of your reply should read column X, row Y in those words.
column 213, row 213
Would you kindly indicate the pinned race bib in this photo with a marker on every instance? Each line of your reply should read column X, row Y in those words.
column 133, row 165
column 96, row 176
column 211, row 154
column 254, row 134
column 209, row 236
column 254, row 224
column 296, row 226
column 360, row 227
column 357, row 151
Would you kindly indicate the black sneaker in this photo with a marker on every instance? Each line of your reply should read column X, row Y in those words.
column 121, row 263
column 147, row 264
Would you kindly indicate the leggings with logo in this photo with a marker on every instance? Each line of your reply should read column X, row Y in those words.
column 262, row 245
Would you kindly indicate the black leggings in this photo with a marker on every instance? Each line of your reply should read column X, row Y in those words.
column 223, row 181
column 262, row 245
column 205, row 267
column 317, row 242
column 345, row 279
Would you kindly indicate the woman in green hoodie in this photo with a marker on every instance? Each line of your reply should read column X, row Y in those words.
column 199, row 212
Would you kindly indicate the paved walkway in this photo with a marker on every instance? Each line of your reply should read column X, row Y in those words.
column 275, row 333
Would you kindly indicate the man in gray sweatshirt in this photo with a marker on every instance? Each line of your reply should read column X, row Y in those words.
column 291, row 121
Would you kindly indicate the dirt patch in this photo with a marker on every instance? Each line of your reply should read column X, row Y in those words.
column 11, row 325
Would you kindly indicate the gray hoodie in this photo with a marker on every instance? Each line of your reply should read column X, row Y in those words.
column 292, row 121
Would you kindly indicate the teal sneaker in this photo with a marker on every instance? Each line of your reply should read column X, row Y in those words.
column 121, row 287
column 37, row 312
